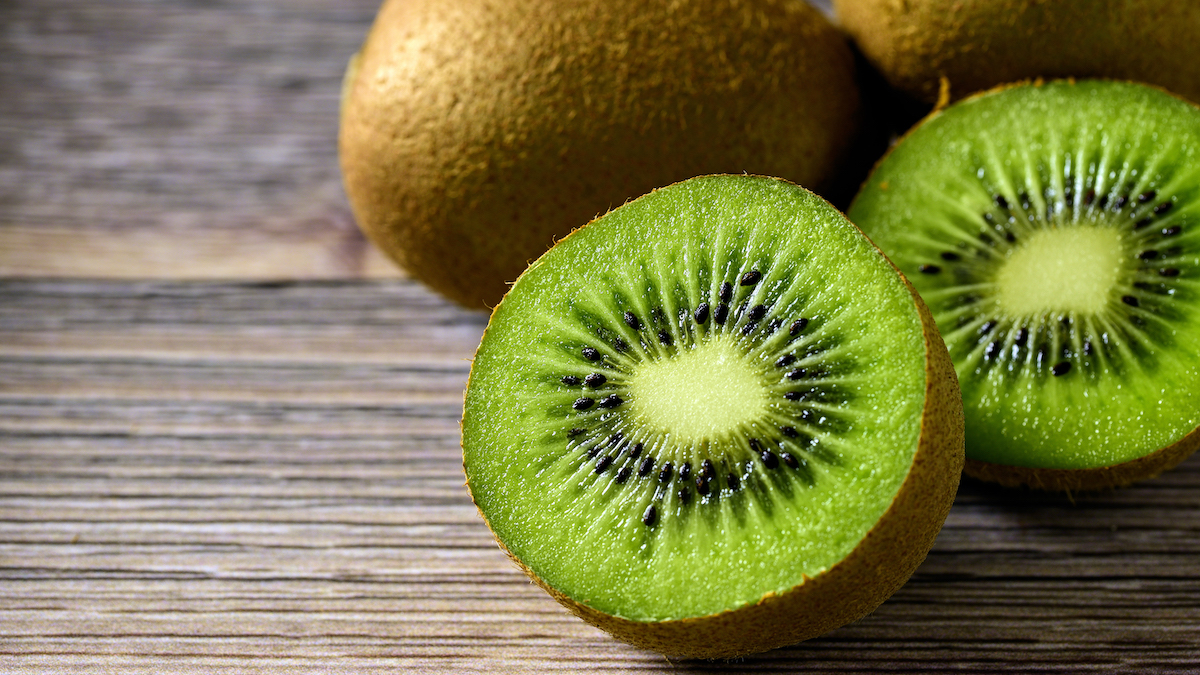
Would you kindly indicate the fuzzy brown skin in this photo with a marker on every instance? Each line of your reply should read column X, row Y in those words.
column 1082, row 480
column 977, row 44
column 475, row 133
column 880, row 564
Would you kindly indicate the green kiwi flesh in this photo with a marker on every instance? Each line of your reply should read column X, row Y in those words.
column 703, row 400
column 1054, row 231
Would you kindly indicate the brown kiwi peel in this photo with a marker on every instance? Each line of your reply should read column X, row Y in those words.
column 474, row 134
column 980, row 44
column 1082, row 480
column 881, row 563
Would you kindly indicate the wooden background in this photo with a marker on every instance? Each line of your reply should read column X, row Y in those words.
column 229, row 429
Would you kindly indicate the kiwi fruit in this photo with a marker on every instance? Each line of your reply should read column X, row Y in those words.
column 473, row 133
column 1054, row 231
column 983, row 43
column 714, row 421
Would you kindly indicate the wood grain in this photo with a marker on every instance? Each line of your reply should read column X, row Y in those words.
column 206, row 477
column 177, row 139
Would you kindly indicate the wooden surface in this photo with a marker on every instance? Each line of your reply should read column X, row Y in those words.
column 227, row 446
column 235, row 476
column 176, row 139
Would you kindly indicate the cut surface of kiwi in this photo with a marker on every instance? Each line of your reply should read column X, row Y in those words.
column 1054, row 231
column 714, row 421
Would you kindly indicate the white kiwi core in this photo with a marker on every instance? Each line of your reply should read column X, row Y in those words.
column 701, row 393
column 1064, row 269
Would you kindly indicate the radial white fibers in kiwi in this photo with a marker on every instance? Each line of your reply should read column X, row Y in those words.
column 1054, row 231
column 714, row 421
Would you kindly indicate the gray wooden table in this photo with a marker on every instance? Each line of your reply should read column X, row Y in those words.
column 229, row 430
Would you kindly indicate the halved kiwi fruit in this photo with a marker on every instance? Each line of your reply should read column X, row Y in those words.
column 714, row 421
column 1054, row 231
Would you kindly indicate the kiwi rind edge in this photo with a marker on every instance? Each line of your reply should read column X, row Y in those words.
column 871, row 573
column 1062, row 480
column 1084, row 480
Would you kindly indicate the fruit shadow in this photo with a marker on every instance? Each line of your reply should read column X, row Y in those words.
column 885, row 114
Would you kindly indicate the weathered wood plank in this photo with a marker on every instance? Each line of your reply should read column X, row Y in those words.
column 214, row 503
column 176, row 139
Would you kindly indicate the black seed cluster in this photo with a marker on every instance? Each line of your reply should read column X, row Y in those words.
column 599, row 390
column 1006, row 220
column 998, row 222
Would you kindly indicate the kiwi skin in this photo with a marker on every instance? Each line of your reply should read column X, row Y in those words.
column 475, row 133
column 1081, row 480
column 880, row 564
column 983, row 43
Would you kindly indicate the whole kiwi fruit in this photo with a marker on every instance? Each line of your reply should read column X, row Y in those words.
column 475, row 133
column 714, row 421
column 977, row 44
column 1054, row 231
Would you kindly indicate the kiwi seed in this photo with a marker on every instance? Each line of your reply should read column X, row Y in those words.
column 646, row 466
column 665, row 474
column 721, row 314
column 769, row 459
column 685, row 471
column 650, row 516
